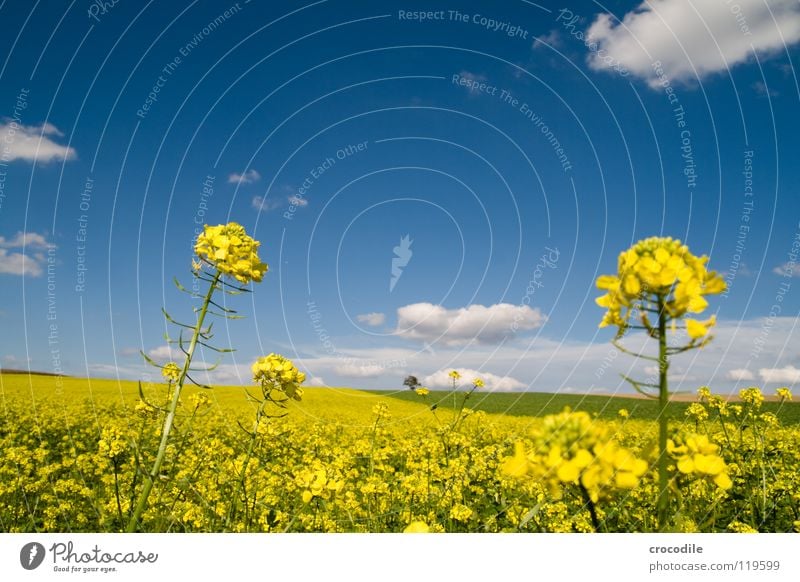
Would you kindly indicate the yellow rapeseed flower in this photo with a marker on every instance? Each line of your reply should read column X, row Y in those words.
column 698, row 329
column 417, row 527
column 231, row 250
column 696, row 455
column 571, row 449
column 662, row 267
column 171, row 372
column 275, row 372
column 752, row 396
column 697, row 412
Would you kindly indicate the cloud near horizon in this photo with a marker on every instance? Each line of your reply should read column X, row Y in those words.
column 740, row 375
column 494, row 383
column 742, row 354
column 488, row 324
column 785, row 375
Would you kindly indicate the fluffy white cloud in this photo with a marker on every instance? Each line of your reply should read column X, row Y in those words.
column 785, row 375
column 33, row 143
column 692, row 38
column 484, row 324
column 266, row 204
column 360, row 370
column 787, row 270
column 24, row 239
column 740, row 374
column 248, row 177
column 373, row 319
column 19, row 264
column 23, row 263
column 441, row 379
column 316, row 381
column 164, row 353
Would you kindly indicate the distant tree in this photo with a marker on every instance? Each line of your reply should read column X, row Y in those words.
column 411, row 382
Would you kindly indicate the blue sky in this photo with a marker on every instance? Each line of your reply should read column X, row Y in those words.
column 519, row 147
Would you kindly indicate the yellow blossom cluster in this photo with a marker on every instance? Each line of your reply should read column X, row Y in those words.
column 697, row 455
column 230, row 249
column 275, row 372
column 113, row 442
column 572, row 449
column 171, row 372
column 315, row 483
column 665, row 268
column 752, row 396
column 697, row 412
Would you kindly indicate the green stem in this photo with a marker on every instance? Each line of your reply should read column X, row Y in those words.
column 150, row 478
column 663, row 402
column 458, row 418
column 592, row 508
column 243, row 480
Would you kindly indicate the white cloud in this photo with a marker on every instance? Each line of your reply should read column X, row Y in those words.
column 785, row 375
column 22, row 263
column 265, row 204
column 19, row 264
column 316, row 381
column 296, row 200
column 249, row 177
column 787, row 270
column 740, row 374
column 373, row 319
column 360, row 370
column 32, row 143
column 762, row 89
column 225, row 374
column 484, row 324
column 24, row 239
column 164, row 353
column 441, row 379
column 692, row 39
